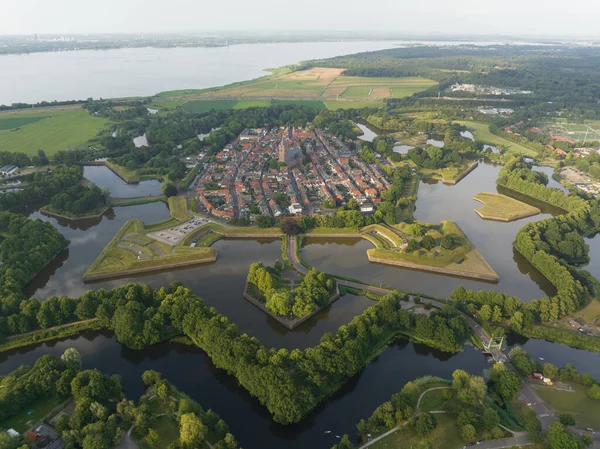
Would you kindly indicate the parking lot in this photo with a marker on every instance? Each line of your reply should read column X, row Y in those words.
column 174, row 235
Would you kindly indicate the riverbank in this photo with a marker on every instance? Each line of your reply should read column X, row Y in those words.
column 45, row 211
column 487, row 273
column 450, row 175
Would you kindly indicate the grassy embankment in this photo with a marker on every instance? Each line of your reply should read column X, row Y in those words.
column 503, row 208
column 585, row 410
column 449, row 175
column 132, row 251
column 462, row 260
column 51, row 129
column 482, row 134
column 129, row 176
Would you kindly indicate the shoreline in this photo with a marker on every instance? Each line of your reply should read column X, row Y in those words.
column 440, row 270
column 45, row 211
column 136, row 271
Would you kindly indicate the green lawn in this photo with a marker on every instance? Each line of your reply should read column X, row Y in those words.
column 310, row 103
column 444, row 436
column 207, row 105
column 503, row 208
column 589, row 313
column 357, row 91
column 52, row 130
column 585, row 410
column 178, row 207
column 24, row 420
column 432, row 401
column 244, row 104
column 352, row 104
column 7, row 123
column 406, row 91
column 483, row 134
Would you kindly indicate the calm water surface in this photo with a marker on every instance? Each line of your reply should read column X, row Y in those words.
column 104, row 178
column 192, row 371
column 132, row 72
column 437, row 202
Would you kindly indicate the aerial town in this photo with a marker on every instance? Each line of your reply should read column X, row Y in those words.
column 289, row 171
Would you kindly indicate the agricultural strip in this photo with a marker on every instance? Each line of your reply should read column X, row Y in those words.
column 503, row 208
column 51, row 130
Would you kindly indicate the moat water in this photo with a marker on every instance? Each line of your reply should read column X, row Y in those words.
column 221, row 284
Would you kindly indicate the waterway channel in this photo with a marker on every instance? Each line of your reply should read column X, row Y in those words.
column 221, row 283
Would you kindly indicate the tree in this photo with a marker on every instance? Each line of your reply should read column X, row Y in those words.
column 566, row 419
column 468, row 433
column 290, row 227
column 152, row 438
column 559, row 438
column 550, row 371
column 447, row 242
column 506, row 383
column 150, row 377
column 416, row 230
column 169, row 190
column 485, row 313
column 469, row 389
column 489, row 419
column 191, row 431
column 428, row 242
column 264, row 221
column 594, row 392
column 425, row 423
column 71, row 358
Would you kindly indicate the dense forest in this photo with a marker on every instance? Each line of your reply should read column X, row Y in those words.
column 26, row 246
column 79, row 200
column 101, row 414
column 313, row 292
column 141, row 316
column 41, row 186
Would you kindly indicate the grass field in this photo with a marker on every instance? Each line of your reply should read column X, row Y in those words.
column 207, row 105
column 310, row 103
column 51, row 130
column 7, row 123
column 503, row 208
column 353, row 104
column 314, row 82
column 586, row 411
column 482, row 134
column 357, row 91
column 31, row 415
column 464, row 259
column 178, row 207
column 444, row 436
column 590, row 313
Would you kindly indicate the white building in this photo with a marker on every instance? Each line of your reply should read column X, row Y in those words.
column 8, row 170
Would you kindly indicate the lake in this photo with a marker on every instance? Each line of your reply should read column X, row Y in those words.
column 132, row 72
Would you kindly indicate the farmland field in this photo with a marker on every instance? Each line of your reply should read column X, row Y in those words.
column 320, row 82
column 207, row 105
column 7, row 123
column 51, row 130
column 357, row 91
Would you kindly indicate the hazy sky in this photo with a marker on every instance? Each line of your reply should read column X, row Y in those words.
column 517, row 17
